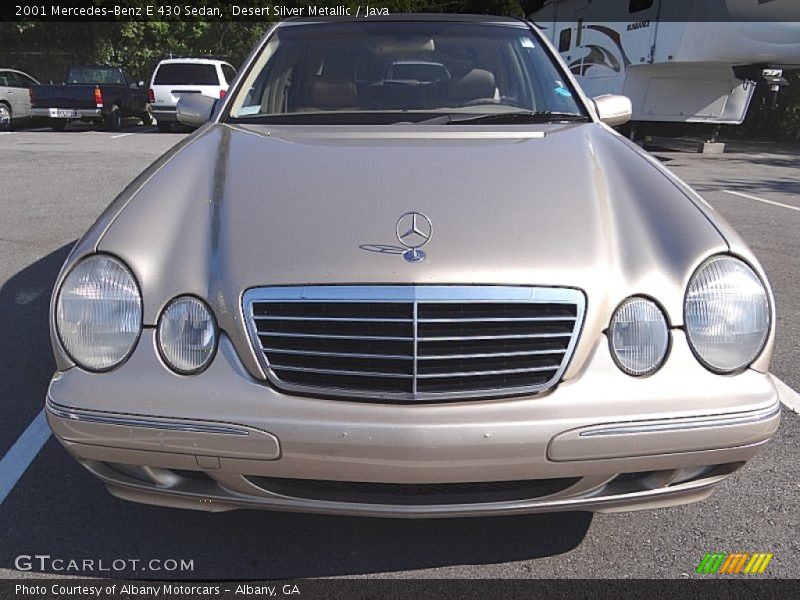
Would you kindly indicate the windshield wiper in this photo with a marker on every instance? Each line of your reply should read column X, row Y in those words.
column 522, row 116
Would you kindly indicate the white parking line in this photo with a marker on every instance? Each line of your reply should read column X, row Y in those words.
column 21, row 455
column 764, row 200
column 788, row 396
column 113, row 137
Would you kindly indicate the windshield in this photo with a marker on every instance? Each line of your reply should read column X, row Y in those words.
column 389, row 72
column 109, row 76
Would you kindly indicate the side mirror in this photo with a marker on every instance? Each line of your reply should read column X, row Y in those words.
column 613, row 110
column 195, row 110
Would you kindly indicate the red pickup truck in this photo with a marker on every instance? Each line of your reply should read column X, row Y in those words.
column 91, row 93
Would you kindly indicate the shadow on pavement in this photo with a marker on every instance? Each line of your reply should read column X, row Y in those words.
column 59, row 509
column 63, row 512
column 25, row 352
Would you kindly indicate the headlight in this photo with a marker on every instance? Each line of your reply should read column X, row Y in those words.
column 639, row 336
column 187, row 335
column 727, row 314
column 99, row 313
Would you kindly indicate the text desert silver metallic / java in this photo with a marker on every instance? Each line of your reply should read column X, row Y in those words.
column 240, row 329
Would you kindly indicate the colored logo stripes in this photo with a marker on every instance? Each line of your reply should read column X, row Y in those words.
column 734, row 563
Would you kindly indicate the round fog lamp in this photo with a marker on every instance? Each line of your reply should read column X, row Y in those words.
column 187, row 335
column 638, row 336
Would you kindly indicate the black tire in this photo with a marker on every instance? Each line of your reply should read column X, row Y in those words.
column 164, row 126
column 147, row 117
column 114, row 119
column 6, row 117
column 58, row 124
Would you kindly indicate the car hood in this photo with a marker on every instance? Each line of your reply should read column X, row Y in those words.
column 557, row 205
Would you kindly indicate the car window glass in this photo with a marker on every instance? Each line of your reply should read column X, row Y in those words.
column 15, row 80
column 229, row 73
column 95, row 75
column 24, row 81
column 384, row 67
column 186, row 74
column 7, row 79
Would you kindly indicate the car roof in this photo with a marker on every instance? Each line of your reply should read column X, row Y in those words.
column 410, row 17
column 28, row 75
column 197, row 61
column 92, row 66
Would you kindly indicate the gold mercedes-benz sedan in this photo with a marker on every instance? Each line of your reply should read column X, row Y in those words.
column 406, row 268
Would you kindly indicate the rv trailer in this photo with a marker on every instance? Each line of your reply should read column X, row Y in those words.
column 679, row 61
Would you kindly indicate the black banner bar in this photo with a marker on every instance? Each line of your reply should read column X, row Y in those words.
column 631, row 11
column 732, row 588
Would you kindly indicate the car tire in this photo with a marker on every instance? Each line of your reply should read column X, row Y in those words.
column 58, row 124
column 164, row 126
column 114, row 119
column 6, row 117
column 147, row 117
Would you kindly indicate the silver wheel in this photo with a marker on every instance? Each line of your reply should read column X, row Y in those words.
column 5, row 117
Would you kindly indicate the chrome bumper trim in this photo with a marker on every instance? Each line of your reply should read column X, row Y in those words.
column 80, row 112
column 661, row 425
column 125, row 421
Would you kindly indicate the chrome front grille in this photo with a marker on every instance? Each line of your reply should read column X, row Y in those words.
column 414, row 343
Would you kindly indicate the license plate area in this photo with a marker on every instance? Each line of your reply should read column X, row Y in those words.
column 63, row 113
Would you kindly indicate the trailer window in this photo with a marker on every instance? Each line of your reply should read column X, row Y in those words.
column 639, row 5
column 565, row 40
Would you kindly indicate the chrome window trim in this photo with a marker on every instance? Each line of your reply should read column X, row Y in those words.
column 413, row 294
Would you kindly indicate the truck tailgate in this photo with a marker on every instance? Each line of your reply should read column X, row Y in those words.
column 74, row 96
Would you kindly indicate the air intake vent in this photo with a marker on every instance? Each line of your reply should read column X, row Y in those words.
column 413, row 493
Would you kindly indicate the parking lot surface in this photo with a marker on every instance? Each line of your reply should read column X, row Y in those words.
column 55, row 184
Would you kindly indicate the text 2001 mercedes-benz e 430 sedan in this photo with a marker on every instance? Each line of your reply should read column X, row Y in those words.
column 405, row 268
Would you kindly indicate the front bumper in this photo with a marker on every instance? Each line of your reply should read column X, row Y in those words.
column 600, row 441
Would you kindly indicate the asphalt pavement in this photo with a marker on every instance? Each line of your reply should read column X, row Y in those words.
column 55, row 184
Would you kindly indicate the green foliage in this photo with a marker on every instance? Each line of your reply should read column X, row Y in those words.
column 782, row 121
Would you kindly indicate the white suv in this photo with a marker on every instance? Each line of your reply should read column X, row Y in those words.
column 178, row 77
